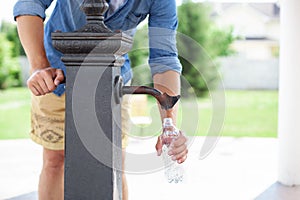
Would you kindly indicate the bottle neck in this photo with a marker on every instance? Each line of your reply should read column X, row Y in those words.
column 167, row 122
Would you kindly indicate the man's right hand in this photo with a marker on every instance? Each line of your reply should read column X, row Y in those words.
column 44, row 81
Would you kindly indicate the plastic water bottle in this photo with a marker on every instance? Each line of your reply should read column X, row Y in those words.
column 173, row 170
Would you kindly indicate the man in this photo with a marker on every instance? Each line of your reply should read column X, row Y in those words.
column 47, row 71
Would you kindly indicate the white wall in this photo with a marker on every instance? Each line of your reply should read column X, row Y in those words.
column 242, row 73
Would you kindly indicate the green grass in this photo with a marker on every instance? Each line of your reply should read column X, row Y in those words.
column 14, row 113
column 248, row 113
column 252, row 113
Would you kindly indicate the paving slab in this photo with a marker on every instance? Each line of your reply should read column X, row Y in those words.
column 236, row 169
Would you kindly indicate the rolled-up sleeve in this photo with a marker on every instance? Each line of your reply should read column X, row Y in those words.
column 162, row 37
column 31, row 7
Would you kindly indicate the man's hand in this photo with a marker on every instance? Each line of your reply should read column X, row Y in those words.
column 44, row 81
column 178, row 150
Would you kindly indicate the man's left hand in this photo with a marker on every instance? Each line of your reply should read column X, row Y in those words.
column 178, row 149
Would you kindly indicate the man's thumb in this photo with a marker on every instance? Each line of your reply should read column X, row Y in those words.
column 59, row 77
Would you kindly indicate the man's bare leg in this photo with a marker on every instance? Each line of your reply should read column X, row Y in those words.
column 124, row 181
column 51, row 184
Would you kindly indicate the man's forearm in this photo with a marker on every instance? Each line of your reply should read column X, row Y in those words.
column 168, row 82
column 31, row 34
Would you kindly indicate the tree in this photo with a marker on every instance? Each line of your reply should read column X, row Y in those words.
column 9, row 68
column 10, row 50
column 199, row 64
column 11, row 33
column 139, row 57
column 198, row 58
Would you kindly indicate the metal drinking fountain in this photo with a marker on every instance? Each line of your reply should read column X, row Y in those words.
column 94, row 89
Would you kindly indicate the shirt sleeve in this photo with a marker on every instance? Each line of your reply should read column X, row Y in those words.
column 162, row 37
column 31, row 7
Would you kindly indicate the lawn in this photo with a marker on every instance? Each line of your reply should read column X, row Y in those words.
column 14, row 113
column 251, row 113
column 247, row 113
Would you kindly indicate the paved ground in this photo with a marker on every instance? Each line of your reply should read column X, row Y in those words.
column 237, row 169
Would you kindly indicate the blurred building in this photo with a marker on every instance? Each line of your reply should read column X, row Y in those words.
column 255, row 64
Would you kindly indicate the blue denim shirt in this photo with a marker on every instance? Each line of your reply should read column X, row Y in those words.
column 67, row 17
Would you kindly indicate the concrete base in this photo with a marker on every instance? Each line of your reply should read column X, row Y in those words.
column 278, row 191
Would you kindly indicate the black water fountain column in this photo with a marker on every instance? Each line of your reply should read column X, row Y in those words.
column 93, row 57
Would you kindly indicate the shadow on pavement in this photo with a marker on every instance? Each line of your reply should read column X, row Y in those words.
column 28, row 196
column 277, row 191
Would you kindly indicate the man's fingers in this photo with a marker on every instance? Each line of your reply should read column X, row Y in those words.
column 36, row 87
column 43, row 86
column 180, row 140
column 35, row 91
column 181, row 160
column 159, row 145
column 59, row 77
column 181, row 157
column 49, row 83
column 33, row 86
column 41, row 79
column 177, row 150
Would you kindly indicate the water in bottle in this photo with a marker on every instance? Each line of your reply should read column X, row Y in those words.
column 173, row 170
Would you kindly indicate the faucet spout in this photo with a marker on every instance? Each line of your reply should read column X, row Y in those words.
column 166, row 101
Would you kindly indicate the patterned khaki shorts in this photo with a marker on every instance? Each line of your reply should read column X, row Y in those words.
column 48, row 121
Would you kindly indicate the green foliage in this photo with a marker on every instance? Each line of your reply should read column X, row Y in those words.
column 10, row 50
column 139, row 57
column 10, row 30
column 10, row 74
column 222, row 40
column 199, row 58
column 139, row 51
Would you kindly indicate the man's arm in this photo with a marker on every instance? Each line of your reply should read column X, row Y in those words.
column 169, row 82
column 31, row 33
column 165, row 65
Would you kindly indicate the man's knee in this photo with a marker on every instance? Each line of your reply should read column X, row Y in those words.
column 53, row 160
